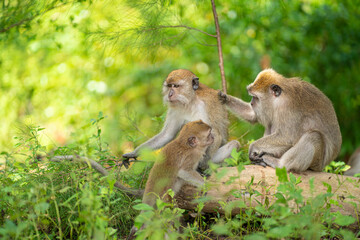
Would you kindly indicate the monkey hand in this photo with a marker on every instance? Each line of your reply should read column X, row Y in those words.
column 256, row 159
column 223, row 98
column 130, row 155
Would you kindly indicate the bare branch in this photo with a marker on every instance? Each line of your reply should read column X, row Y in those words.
column 218, row 38
column 100, row 169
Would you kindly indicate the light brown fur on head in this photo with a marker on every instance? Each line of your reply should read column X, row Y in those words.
column 181, row 156
column 180, row 74
column 264, row 79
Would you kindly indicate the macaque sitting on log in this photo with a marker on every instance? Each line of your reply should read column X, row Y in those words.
column 188, row 100
column 301, row 128
column 181, row 158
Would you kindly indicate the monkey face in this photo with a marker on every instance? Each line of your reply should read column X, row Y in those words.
column 179, row 87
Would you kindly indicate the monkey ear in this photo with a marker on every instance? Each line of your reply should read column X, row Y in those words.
column 192, row 141
column 195, row 83
column 276, row 89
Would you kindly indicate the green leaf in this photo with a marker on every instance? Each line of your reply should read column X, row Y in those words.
column 256, row 236
column 329, row 188
column 343, row 220
column 143, row 207
column 282, row 174
column 41, row 207
column 280, row 232
column 220, row 228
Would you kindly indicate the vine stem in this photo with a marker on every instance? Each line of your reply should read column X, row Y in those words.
column 218, row 38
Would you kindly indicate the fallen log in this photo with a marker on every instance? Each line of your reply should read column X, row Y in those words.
column 345, row 189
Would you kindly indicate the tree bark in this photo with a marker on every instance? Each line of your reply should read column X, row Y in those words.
column 265, row 181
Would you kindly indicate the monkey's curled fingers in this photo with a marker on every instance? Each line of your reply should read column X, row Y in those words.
column 223, row 97
column 256, row 159
column 130, row 155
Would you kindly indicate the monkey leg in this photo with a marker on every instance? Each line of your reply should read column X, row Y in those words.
column 210, row 152
column 225, row 151
column 192, row 177
column 307, row 153
column 270, row 145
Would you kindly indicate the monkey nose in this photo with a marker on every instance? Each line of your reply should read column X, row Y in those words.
column 171, row 93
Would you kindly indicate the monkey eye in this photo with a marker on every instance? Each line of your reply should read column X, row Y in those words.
column 169, row 85
column 176, row 86
column 276, row 90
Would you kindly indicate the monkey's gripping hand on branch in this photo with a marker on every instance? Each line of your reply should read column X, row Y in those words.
column 130, row 155
column 223, row 97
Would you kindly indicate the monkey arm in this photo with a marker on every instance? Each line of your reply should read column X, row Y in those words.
column 273, row 145
column 239, row 107
column 171, row 127
column 192, row 177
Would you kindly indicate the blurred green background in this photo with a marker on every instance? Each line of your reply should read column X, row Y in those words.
column 67, row 64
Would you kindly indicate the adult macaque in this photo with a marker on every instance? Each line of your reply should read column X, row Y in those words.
column 301, row 128
column 188, row 100
column 354, row 163
column 181, row 158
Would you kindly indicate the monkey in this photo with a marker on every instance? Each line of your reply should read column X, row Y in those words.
column 354, row 163
column 301, row 128
column 189, row 100
column 180, row 159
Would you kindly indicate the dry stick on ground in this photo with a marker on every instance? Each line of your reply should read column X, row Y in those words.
column 100, row 169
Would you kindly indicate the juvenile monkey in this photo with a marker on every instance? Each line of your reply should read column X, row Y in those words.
column 181, row 158
column 188, row 100
column 301, row 128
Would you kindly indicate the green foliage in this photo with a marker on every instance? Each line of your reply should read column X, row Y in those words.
column 337, row 167
column 42, row 199
column 160, row 222
column 53, row 76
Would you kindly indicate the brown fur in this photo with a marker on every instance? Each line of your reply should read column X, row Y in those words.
column 301, row 127
column 178, row 155
column 188, row 100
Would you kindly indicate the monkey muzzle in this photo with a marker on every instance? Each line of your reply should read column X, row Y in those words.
column 171, row 93
column 254, row 100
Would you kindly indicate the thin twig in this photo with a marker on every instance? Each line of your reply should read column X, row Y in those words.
column 100, row 169
column 161, row 27
column 218, row 38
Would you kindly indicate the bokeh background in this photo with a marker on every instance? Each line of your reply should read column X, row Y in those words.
column 62, row 68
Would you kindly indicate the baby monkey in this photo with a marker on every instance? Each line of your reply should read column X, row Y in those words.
column 180, row 160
